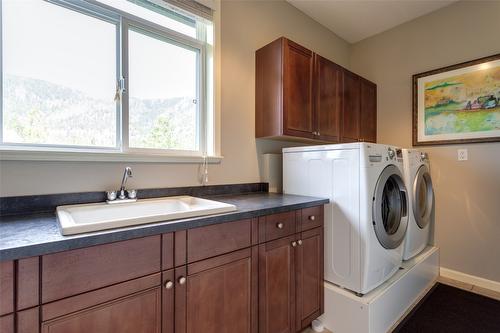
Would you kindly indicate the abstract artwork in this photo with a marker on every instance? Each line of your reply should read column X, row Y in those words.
column 458, row 104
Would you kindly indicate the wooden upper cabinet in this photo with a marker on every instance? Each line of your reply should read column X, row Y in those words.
column 368, row 111
column 297, row 93
column 351, row 107
column 283, row 90
column 300, row 94
column 327, row 98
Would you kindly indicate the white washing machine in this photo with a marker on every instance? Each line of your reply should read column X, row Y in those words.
column 366, row 219
column 421, row 201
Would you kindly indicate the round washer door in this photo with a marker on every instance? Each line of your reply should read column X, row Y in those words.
column 423, row 197
column 390, row 208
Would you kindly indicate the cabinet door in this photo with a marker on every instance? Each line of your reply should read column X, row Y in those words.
column 368, row 121
column 6, row 287
column 136, row 313
column 7, row 323
column 351, row 107
column 297, row 90
column 328, row 99
column 277, row 286
column 218, row 294
column 309, row 277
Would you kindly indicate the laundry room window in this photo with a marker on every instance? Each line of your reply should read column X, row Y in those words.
column 107, row 76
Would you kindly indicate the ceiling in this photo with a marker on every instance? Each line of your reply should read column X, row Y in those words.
column 355, row 20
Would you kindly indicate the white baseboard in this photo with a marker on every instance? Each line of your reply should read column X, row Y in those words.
column 471, row 279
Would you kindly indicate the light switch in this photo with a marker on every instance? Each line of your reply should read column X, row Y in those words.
column 462, row 155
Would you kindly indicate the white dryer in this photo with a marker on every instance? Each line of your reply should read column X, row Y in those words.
column 366, row 219
column 421, row 201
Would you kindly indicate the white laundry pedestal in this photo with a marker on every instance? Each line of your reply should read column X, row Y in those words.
column 381, row 309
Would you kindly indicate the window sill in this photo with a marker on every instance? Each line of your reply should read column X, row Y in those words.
column 101, row 156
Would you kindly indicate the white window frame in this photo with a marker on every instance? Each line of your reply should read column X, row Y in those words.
column 208, row 139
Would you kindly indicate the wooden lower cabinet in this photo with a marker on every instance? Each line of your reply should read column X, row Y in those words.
column 309, row 277
column 291, row 282
column 216, row 296
column 129, row 307
column 267, row 279
column 136, row 313
column 6, row 287
column 7, row 323
column 277, row 286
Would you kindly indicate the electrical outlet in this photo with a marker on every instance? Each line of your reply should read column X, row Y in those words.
column 462, row 155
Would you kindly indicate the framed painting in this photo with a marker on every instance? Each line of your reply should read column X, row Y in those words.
column 458, row 104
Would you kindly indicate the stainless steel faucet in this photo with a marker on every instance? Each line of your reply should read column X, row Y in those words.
column 122, row 195
column 126, row 174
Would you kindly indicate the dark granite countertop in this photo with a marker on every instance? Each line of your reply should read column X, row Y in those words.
column 37, row 234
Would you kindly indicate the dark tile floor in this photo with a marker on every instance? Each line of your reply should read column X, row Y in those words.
column 452, row 310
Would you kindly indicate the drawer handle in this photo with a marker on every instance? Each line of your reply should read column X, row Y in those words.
column 169, row 284
column 299, row 242
column 182, row 280
column 294, row 243
column 279, row 225
column 312, row 217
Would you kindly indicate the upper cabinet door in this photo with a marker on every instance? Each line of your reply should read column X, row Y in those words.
column 368, row 121
column 328, row 99
column 351, row 107
column 297, row 93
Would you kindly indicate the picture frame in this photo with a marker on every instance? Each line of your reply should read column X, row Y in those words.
column 457, row 104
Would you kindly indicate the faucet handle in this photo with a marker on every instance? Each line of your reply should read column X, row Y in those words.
column 111, row 195
column 132, row 194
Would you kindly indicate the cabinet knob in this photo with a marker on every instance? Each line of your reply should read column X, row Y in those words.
column 312, row 217
column 279, row 225
column 169, row 284
column 182, row 280
column 299, row 242
column 294, row 243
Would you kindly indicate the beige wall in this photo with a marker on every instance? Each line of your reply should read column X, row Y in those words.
column 246, row 26
column 467, row 193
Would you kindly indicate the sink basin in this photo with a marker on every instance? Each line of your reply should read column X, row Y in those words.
column 75, row 219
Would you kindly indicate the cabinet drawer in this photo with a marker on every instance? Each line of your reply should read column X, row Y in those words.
column 213, row 240
column 72, row 272
column 311, row 218
column 276, row 226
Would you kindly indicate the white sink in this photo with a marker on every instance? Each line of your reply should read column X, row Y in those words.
column 75, row 219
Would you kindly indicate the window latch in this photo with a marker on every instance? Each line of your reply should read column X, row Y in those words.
column 120, row 88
